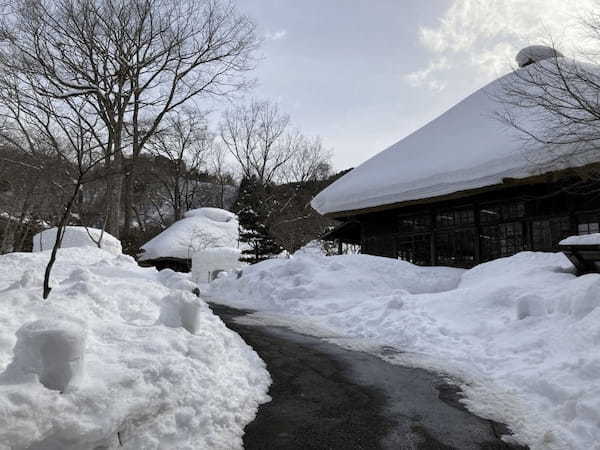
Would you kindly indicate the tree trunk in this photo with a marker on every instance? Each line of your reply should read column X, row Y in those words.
column 58, row 241
column 115, row 188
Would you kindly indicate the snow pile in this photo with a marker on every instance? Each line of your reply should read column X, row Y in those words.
column 206, row 263
column 199, row 229
column 584, row 239
column 77, row 237
column 115, row 358
column 521, row 332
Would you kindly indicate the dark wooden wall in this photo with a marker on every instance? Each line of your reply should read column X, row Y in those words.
column 482, row 227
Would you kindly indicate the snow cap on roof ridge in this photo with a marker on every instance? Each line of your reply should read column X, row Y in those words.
column 536, row 53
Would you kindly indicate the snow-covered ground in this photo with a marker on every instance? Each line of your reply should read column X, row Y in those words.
column 522, row 334
column 118, row 357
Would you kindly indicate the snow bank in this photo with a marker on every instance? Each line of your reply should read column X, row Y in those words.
column 205, row 263
column 200, row 228
column 77, row 237
column 118, row 356
column 312, row 283
column 585, row 239
column 521, row 332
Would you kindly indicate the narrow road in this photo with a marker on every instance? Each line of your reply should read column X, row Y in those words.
column 326, row 397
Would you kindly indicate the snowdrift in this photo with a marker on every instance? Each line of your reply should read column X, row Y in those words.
column 521, row 333
column 77, row 237
column 117, row 357
column 200, row 228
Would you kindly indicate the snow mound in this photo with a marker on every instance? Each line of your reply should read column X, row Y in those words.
column 205, row 263
column 522, row 332
column 309, row 281
column 585, row 239
column 536, row 53
column 77, row 237
column 199, row 229
column 117, row 359
column 215, row 214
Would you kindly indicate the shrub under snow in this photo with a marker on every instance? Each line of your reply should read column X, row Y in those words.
column 522, row 333
column 77, row 237
column 118, row 357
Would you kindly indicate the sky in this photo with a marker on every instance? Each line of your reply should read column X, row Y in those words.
column 363, row 74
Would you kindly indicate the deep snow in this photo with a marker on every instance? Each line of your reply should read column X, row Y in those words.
column 520, row 333
column 118, row 357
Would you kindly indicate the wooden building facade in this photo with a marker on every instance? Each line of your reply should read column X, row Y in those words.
column 465, row 229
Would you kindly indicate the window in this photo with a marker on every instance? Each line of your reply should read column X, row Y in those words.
column 458, row 217
column 588, row 228
column 506, row 212
column 500, row 240
column 415, row 249
column 456, row 247
column 414, row 224
column 545, row 234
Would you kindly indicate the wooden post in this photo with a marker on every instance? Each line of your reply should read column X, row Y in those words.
column 477, row 218
column 432, row 249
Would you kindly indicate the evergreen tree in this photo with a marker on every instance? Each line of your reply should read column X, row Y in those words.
column 253, row 213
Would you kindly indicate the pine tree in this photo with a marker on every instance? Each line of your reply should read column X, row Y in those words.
column 253, row 213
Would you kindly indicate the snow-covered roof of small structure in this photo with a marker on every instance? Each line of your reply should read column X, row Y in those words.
column 200, row 228
column 77, row 237
column 465, row 148
column 586, row 239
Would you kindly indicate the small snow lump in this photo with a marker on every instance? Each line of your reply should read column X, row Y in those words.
column 536, row 53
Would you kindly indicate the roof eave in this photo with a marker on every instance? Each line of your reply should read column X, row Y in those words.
column 545, row 177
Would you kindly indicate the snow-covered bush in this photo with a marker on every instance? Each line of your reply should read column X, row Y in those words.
column 77, row 237
column 206, row 263
column 119, row 357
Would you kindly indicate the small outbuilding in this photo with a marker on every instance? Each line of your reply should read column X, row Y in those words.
column 200, row 229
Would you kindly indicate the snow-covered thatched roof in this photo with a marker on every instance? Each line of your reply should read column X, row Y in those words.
column 465, row 148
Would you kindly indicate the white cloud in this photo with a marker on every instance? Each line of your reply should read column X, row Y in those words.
column 483, row 36
column 426, row 76
column 276, row 35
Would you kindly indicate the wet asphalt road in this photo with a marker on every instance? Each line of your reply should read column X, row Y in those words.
column 327, row 397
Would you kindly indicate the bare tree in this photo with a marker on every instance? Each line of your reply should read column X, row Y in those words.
column 221, row 171
column 60, row 131
column 554, row 104
column 258, row 137
column 133, row 61
column 309, row 161
column 181, row 147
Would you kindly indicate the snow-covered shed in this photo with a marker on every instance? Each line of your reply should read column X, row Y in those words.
column 463, row 188
column 200, row 229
